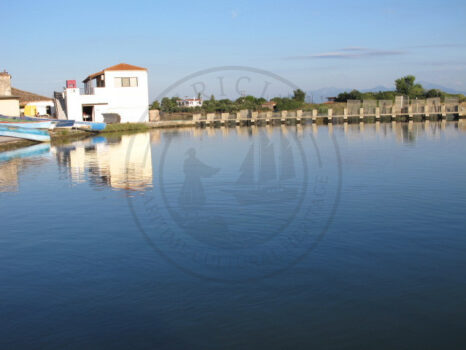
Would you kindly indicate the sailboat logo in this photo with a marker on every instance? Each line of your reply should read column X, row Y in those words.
column 272, row 183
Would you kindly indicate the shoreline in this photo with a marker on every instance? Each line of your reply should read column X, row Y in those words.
column 67, row 135
column 59, row 136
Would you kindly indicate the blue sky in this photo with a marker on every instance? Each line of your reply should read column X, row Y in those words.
column 358, row 44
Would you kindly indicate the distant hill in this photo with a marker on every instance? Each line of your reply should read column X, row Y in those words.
column 427, row 86
column 378, row 88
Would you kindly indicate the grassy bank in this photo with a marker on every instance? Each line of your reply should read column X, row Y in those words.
column 63, row 136
column 125, row 127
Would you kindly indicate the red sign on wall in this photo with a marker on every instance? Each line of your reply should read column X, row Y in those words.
column 71, row 84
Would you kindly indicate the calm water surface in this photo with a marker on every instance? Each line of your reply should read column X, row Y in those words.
column 291, row 237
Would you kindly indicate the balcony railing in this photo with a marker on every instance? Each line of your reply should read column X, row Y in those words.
column 87, row 91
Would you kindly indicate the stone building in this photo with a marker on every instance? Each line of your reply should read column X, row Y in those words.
column 9, row 104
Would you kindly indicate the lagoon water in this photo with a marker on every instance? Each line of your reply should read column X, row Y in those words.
column 290, row 237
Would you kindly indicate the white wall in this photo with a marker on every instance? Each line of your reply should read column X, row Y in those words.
column 131, row 103
column 73, row 105
column 9, row 107
column 41, row 106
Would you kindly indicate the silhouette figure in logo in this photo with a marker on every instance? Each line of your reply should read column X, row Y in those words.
column 192, row 196
column 271, row 185
column 208, row 228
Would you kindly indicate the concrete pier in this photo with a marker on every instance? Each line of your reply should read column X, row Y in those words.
column 283, row 116
column 418, row 111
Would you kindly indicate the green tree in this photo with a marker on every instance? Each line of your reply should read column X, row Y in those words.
column 435, row 93
column 169, row 104
column 155, row 105
column 405, row 85
column 299, row 95
column 352, row 95
column 287, row 104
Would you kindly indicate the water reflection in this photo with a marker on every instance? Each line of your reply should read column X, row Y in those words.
column 12, row 163
column 77, row 259
column 125, row 162
column 9, row 176
column 120, row 162
column 405, row 133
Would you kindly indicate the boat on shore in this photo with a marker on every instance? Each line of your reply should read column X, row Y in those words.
column 47, row 123
column 25, row 133
column 28, row 124
column 59, row 123
column 90, row 126
column 17, row 122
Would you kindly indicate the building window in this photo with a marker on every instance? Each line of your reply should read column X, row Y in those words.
column 126, row 82
column 100, row 81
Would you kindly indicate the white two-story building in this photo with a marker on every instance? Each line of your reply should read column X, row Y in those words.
column 116, row 94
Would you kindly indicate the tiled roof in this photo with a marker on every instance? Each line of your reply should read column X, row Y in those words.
column 124, row 66
column 121, row 66
column 25, row 97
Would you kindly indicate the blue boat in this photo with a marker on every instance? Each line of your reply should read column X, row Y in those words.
column 25, row 133
column 28, row 124
column 91, row 126
column 64, row 123
column 59, row 123
column 55, row 123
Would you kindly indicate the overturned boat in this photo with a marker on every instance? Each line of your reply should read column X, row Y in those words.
column 59, row 123
column 26, row 124
column 31, row 134
column 90, row 126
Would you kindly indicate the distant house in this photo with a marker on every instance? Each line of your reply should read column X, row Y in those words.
column 189, row 102
column 115, row 94
column 9, row 103
column 331, row 100
column 269, row 105
column 31, row 104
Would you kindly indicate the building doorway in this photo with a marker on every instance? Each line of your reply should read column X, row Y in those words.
column 88, row 113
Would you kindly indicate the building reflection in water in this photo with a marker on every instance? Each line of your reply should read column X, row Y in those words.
column 9, row 176
column 120, row 162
